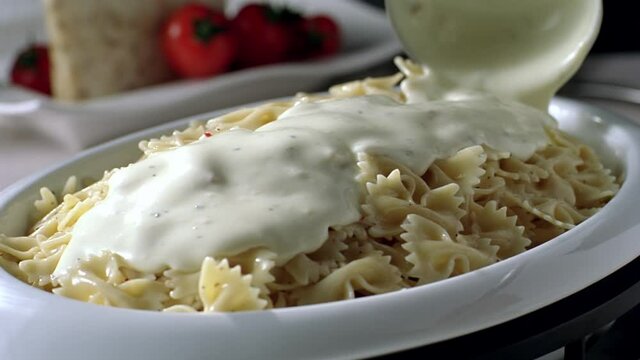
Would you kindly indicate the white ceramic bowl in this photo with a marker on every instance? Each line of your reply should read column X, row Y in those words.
column 38, row 325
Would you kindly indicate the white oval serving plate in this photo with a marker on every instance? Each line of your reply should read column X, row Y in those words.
column 37, row 325
column 367, row 38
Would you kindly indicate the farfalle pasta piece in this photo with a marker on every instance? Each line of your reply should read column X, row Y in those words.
column 389, row 201
column 368, row 169
column 516, row 169
column 559, row 160
column 329, row 256
column 147, row 292
column 557, row 188
column 396, row 253
column 258, row 263
column 70, row 186
column 544, row 231
column 357, row 248
column 483, row 244
column 372, row 274
column 434, row 255
column 134, row 294
column 386, row 205
column 493, row 223
column 34, row 257
column 297, row 272
column 580, row 167
column 99, row 280
column 593, row 190
column 504, row 165
column 183, row 286
column 222, row 288
column 303, row 270
column 520, row 203
column 45, row 204
column 372, row 166
column 463, row 168
column 446, row 202
column 489, row 187
column 391, row 186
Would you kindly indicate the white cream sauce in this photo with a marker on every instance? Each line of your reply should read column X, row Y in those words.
column 521, row 50
column 417, row 134
column 220, row 196
column 282, row 186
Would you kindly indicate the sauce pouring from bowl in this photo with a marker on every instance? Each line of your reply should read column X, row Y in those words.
column 519, row 50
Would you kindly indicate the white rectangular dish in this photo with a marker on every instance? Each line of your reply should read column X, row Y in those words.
column 368, row 40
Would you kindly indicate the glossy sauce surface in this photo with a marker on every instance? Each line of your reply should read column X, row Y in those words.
column 282, row 186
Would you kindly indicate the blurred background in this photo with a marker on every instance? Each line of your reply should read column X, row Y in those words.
column 619, row 27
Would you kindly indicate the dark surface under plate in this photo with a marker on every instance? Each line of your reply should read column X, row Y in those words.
column 599, row 322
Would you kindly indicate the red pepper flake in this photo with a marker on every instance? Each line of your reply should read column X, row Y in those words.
column 208, row 134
